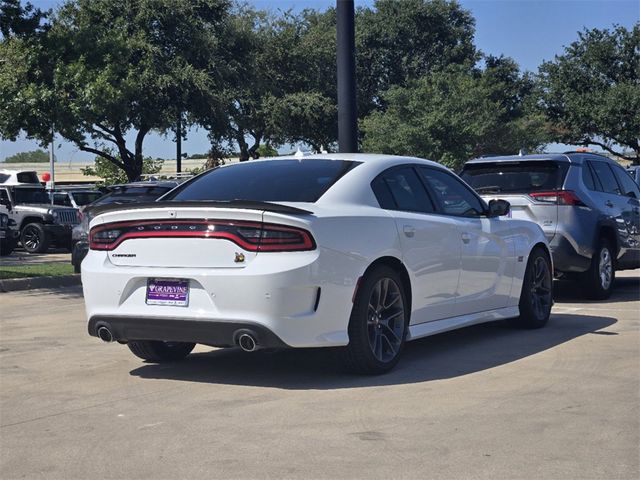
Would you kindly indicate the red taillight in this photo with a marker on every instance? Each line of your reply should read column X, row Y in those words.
column 560, row 197
column 252, row 236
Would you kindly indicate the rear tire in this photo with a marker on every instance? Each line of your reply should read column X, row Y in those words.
column 378, row 324
column 536, row 297
column 602, row 273
column 34, row 238
column 157, row 351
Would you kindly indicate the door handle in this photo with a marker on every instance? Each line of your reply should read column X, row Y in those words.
column 409, row 231
column 609, row 203
column 466, row 238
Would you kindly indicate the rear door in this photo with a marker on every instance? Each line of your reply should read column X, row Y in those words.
column 487, row 259
column 430, row 242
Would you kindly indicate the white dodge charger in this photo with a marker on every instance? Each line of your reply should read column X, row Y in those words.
column 360, row 251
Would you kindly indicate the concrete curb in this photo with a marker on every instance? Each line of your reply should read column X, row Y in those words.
column 17, row 284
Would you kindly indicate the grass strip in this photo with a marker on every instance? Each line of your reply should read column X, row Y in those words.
column 38, row 270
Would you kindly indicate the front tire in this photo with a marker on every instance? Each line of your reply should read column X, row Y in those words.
column 602, row 273
column 378, row 324
column 34, row 238
column 157, row 351
column 536, row 297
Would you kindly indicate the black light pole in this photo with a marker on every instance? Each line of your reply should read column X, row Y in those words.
column 347, row 113
column 179, row 144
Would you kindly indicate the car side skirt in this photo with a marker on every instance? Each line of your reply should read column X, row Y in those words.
column 439, row 326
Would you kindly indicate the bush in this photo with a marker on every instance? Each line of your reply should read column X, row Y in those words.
column 35, row 156
column 112, row 175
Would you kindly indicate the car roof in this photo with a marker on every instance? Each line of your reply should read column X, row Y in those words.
column 368, row 158
column 571, row 157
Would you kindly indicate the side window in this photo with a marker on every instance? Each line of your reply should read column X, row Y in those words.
column 61, row 199
column 401, row 189
column 629, row 187
column 451, row 194
column 605, row 175
column 587, row 177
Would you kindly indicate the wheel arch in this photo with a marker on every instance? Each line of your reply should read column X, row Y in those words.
column 397, row 265
column 608, row 232
column 31, row 219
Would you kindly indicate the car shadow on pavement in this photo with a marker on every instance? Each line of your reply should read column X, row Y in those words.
column 625, row 289
column 448, row 355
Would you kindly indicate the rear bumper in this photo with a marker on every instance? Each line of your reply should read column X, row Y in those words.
column 214, row 333
column 565, row 257
column 299, row 299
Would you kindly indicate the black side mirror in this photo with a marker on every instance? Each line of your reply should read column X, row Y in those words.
column 6, row 202
column 498, row 208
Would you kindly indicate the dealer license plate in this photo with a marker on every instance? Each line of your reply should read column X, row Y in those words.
column 168, row 291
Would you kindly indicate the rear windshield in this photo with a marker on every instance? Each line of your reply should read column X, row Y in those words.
column 266, row 181
column 515, row 177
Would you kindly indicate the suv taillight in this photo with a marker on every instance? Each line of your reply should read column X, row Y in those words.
column 559, row 197
column 252, row 236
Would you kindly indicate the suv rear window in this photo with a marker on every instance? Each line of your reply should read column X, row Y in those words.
column 515, row 177
column 266, row 181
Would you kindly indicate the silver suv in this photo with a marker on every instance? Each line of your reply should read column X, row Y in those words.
column 587, row 205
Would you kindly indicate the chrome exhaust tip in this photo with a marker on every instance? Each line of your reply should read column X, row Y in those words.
column 247, row 343
column 105, row 334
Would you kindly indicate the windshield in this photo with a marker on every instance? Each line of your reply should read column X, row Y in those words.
column 515, row 177
column 265, row 181
column 84, row 198
column 23, row 196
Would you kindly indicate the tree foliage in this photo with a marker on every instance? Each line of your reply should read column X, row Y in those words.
column 111, row 174
column 591, row 93
column 21, row 21
column 34, row 156
column 106, row 69
column 453, row 115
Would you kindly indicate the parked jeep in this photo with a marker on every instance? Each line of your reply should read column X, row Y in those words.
column 40, row 224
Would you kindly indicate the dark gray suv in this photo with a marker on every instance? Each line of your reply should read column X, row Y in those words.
column 587, row 205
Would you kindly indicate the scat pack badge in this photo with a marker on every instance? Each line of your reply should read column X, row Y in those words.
column 239, row 257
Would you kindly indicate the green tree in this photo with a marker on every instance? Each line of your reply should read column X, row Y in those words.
column 399, row 42
column 591, row 93
column 283, row 90
column 109, row 71
column 19, row 20
column 35, row 156
column 111, row 174
column 453, row 115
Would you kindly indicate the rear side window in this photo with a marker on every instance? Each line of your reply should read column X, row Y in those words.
column 28, row 177
column 587, row 177
column 401, row 189
column 515, row 177
column 629, row 187
column 605, row 176
column 453, row 196
column 266, row 181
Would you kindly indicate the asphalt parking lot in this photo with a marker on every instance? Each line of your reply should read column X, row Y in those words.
column 483, row 402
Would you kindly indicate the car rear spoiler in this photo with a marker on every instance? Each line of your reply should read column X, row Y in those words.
column 240, row 204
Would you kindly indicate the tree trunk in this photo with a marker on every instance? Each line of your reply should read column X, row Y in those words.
column 244, row 148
